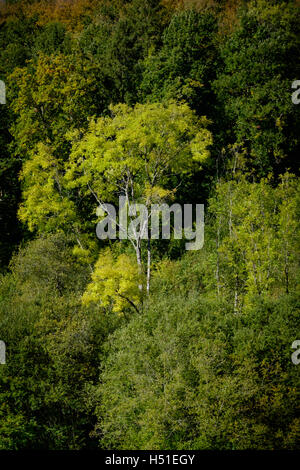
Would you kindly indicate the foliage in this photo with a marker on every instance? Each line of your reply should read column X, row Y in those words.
column 260, row 63
column 257, row 235
column 53, row 349
column 114, row 281
column 191, row 375
column 185, row 65
column 158, row 101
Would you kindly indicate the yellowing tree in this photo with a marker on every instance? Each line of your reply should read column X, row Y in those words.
column 114, row 282
column 138, row 153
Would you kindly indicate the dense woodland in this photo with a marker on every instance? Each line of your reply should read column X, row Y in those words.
column 187, row 102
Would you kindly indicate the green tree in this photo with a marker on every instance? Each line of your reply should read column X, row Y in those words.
column 138, row 153
column 53, row 349
column 191, row 374
column 119, row 39
column 185, row 66
column 256, row 232
column 254, row 86
column 51, row 97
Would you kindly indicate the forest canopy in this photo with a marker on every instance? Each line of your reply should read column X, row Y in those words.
column 128, row 343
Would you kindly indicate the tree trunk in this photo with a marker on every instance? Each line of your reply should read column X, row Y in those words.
column 139, row 261
column 148, row 263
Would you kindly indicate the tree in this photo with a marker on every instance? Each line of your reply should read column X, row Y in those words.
column 116, row 282
column 189, row 373
column 17, row 39
column 185, row 66
column 254, row 86
column 256, row 226
column 119, row 39
column 288, row 233
column 50, row 97
column 137, row 153
column 53, row 348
